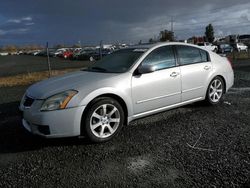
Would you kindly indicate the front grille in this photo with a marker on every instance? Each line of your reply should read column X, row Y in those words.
column 28, row 101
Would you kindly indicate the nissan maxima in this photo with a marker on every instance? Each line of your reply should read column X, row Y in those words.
column 126, row 85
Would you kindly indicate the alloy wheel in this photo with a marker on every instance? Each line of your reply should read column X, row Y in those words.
column 105, row 120
column 215, row 90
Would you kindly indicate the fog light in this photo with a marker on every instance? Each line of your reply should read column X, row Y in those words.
column 43, row 129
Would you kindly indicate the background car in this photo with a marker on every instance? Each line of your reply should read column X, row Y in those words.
column 241, row 47
column 225, row 48
column 68, row 54
column 84, row 54
column 59, row 51
column 91, row 54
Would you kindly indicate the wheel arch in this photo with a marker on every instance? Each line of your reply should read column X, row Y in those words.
column 224, row 82
column 109, row 95
column 223, row 79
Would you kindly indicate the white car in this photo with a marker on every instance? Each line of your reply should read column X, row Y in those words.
column 60, row 51
column 126, row 85
column 36, row 52
column 4, row 53
column 241, row 47
column 208, row 46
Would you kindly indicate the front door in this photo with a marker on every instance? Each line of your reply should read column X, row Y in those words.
column 160, row 88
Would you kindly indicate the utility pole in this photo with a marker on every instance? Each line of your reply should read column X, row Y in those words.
column 80, row 43
column 172, row 24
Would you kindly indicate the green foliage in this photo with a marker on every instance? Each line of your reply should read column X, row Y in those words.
column 166, row 36
column 151, row 40
column 209, row 33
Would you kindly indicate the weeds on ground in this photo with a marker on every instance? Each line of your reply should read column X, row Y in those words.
column 29, row 78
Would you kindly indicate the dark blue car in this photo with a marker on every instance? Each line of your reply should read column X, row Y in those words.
column 225, row 48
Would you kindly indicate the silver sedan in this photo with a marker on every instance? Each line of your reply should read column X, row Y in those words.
column 128, row 84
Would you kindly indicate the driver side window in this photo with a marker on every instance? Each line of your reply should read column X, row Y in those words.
column 161, row 58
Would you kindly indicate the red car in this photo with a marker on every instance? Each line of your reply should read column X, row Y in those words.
column 66, row 55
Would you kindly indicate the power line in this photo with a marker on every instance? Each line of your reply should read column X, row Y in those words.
column 209, row 11
column 216, row 26
column 206, row 22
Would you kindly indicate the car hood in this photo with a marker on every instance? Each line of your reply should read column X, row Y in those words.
column 75, row 81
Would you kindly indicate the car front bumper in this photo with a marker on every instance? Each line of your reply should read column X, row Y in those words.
column 53, row 124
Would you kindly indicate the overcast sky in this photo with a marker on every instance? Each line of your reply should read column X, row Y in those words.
column 89, row 21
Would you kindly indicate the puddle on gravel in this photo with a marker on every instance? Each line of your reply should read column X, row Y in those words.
column 137, row 164
column 145, row 166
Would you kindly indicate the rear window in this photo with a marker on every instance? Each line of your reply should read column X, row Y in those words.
column 204, row 56
column 190, row 55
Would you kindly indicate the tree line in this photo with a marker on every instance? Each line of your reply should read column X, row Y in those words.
column 169, row 36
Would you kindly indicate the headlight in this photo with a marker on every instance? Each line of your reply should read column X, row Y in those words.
column 58, row 101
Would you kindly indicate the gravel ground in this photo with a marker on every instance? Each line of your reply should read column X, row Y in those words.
column 192, row 146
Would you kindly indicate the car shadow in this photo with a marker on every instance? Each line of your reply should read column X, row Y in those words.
column 14, row 138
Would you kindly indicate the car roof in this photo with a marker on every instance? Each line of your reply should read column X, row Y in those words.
column 159, row 44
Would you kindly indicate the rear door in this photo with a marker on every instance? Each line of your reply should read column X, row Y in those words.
column 195, row 68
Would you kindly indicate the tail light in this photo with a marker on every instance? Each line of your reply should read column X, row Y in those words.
column 230, row 61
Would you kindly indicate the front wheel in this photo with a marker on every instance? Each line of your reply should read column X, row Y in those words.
column 103, row 120
column 215, row 91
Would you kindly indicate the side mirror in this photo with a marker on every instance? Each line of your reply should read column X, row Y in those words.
column 143, row 69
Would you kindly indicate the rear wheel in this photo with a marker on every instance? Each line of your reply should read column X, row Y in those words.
column 215, row 91
column 103, row 120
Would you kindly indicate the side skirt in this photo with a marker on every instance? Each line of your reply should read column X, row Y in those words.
column 151, row 112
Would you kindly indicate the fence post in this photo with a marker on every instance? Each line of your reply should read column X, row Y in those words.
column 100, row 50
column 48, row 60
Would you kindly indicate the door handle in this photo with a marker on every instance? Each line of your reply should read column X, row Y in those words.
column 207, row 67
column 174, row 74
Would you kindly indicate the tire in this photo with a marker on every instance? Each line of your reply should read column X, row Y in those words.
column 103, row 120
column 215, row 91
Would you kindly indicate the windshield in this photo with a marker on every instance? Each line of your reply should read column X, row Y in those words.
column 117, row 62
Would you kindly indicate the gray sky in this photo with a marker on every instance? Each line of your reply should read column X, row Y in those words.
column 68, row 21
